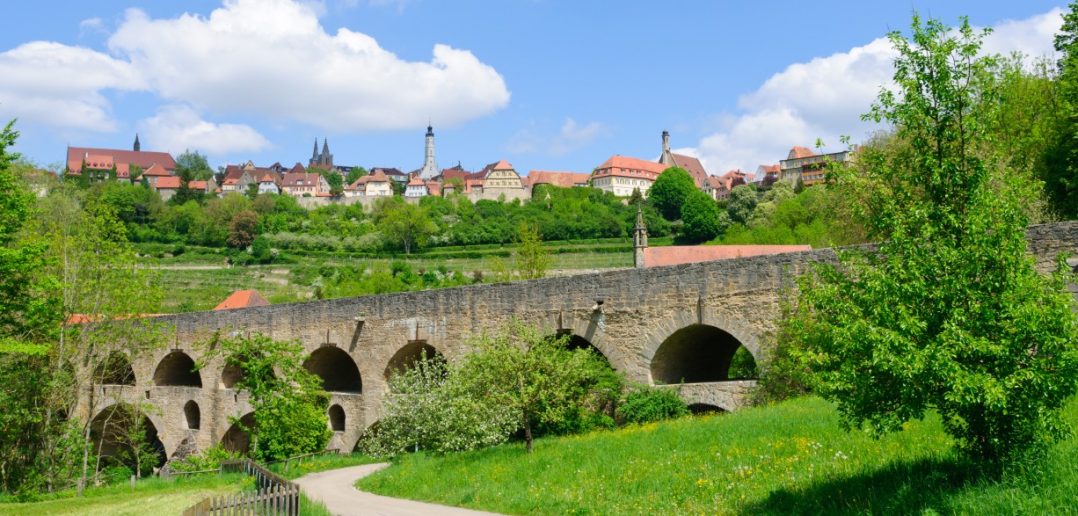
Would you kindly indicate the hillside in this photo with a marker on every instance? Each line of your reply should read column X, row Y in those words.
column 788, row 458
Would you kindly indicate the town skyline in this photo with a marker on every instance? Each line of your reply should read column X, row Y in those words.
column 781, row 96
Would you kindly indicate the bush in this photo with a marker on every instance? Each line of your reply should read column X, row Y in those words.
column 208, row 459
column 644, row 404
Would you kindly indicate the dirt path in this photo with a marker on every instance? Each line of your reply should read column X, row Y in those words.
column 336, row 489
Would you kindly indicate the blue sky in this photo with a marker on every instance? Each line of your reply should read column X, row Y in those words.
column 546, row 84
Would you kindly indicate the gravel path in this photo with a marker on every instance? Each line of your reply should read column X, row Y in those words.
column 336, row 489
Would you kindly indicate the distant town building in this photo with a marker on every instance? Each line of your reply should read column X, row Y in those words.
column 430, row 166
column 692, row 165
column 766, row 174
column 268, row 185
column 393, row 174
column 304, row 184
column 238, row 178
column 100, row 163
column 324, row 159
column 375, row 184
column 808, row 167
column 716, row 188
column 621, row 175
column 416, row 188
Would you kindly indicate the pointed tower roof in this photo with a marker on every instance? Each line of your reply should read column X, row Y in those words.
column 325, row 146
column 138, row 146
column 314, row 153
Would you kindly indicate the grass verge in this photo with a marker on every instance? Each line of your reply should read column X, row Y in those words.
column 150, row 496
column 295, row 469
column 788, row 458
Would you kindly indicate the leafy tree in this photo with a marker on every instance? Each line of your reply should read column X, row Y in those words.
column 242, row 229
column 1062, row 172
column 193, row 166
column 538, row 379
column 950, row 314
column 741, row 203
column 532, row 259
column 355, row 173
column 405, row 224
column 670, row 191
column 289, row 403
column 336, row 183
column 702, row 218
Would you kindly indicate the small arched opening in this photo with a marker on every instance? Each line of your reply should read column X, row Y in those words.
column 705, row 409
column 177, row 369
column 122, row 435
column 115, row 370
column 238, row 436
column 337, row 370
column 575, row 342
column 192, row 415
column 409, row 355
column 700, row 353
column 231, row 374
column 336, row 418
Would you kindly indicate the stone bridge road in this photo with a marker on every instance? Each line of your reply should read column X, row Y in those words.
column 336, row 489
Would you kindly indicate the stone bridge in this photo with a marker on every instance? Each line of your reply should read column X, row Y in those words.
column 663, row 325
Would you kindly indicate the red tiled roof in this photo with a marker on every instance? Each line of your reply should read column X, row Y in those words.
column 693, row 166
column 555, row 178
column 800, row 152
column 378, row 176
column 678, row 254
column 156, row 169
column 621, row 165
column 416, row 181
column 196, row 185
column 242, row 299
column 167, row 183
column 141, row 159
column 293, row 179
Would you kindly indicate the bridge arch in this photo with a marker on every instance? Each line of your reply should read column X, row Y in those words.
column 410, row 354
column 113, row 430
column 583, row 331
column 238, row 437
column 695, row 347
column 338, row 371
column 177, row 369
column 115, row 370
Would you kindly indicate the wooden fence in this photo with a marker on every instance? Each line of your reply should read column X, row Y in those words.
column 272, row 494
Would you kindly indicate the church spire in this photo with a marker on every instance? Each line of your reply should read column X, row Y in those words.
column 138, row 146
column 314, row 153
column 325, row 146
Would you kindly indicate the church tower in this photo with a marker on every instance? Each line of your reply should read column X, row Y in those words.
column 430, row 167
column 137, row 146
column 640, row 237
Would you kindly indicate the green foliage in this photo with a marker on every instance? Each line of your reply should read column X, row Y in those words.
column 702, row 218
column 1062, row 171
column 532, row 260
column 355, row 173
column 427, row 410
column 288, row 401
column 335, row 182
column 536, row 378
column 741, row 203
column 242, row 228
column 670, row 191
column 646, row 404
column 951, row 313
column 404, row 223
column 208, row 459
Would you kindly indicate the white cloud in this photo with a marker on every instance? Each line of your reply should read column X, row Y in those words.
column 92, row 25
column 825, row 97
column 273, row 58
column 177, row 127
column 60, row 85
column 571, row 137
column 265, row 58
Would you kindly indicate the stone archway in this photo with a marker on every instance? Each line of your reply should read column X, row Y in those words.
column 115, row 370
column 337, row 370
column 697, row 346
column 585, row 329
column 705, row 409
column 192, row 415
column 177, row 369
column 119, row 431
column 230, row 374
column 697, row 353
column 237, row 438
column 409, row 355
column 336, row 418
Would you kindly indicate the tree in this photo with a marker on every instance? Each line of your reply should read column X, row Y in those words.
column 535, row 377
column 670, row 191
column 950, row 314
column 702, row 218
column 288, row 401
column 355, row 173
column 1062, row 173
column 532, row 259
column 193, row 166
column 405, row 224
column 741, row 203
column 242, row 229
column 335, row 181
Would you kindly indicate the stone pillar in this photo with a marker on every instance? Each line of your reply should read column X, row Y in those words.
column 640, row 238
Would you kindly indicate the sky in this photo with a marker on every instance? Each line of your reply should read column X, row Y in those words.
column 544, row 84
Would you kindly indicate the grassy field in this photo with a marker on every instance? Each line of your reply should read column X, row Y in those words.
column 788, row 458
column 150, row 496
column 295, row 469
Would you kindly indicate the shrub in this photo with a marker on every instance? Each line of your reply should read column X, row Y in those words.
column 644, row 404
column 208, row 459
